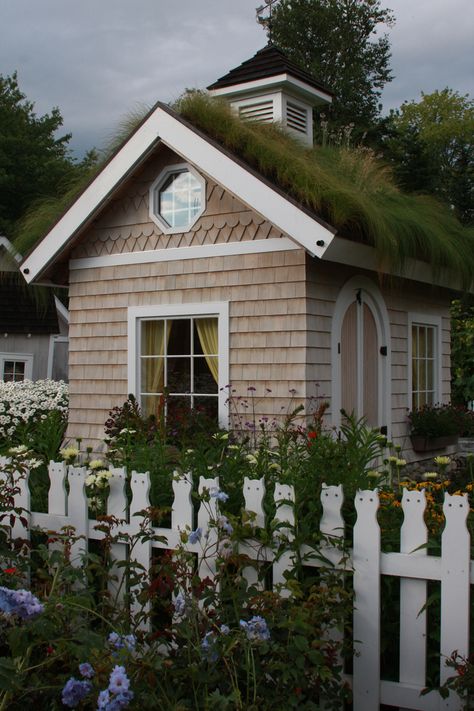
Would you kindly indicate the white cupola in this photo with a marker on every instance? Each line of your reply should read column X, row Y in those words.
column 271, row 88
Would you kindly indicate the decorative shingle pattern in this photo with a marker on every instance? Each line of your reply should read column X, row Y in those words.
column 126, row 225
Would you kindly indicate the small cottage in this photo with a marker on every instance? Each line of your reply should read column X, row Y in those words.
column 215, row 249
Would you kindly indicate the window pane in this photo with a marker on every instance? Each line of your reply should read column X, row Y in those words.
column 179, row 375
column 422, row 342
column 179, row 342
column 203, row 379
column 152, row 405
column 152, row 375
column 180, row 199
column 178, row 409
column 14, row 371
column 152, row 337
column 430, row 342
column 207, row 406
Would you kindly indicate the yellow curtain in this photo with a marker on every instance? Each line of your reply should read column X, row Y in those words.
column 208, row 336
column 154, row 345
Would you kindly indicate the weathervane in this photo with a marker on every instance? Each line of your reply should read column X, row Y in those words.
column 266, row 21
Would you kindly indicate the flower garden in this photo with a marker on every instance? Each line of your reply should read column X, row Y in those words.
column 113, row 636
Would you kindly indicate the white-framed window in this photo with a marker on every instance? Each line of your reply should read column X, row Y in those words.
column 180, row 351
column 424, row 360
column 15, row 367
column 177, row 198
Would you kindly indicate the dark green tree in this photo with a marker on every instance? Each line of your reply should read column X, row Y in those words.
column 339, row 43
column 430, row 144
column 33, row 161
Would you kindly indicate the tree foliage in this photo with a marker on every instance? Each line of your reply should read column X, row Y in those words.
column 33, row 162
column 336, row 42
column 462, row 351
column 431, row 146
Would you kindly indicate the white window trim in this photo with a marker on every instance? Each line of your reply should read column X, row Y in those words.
column 26, row 358
column 156, row 185
column 219, row 309
column 52, row 341
column 422, row 319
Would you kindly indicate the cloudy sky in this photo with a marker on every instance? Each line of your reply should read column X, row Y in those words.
column 97, row 59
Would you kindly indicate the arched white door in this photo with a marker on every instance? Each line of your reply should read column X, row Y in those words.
column 361, row 368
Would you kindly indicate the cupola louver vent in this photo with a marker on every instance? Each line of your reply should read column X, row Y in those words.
column 259, row 111
column 296, row 118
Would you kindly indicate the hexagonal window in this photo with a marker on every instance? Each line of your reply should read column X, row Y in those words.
column 177, row 198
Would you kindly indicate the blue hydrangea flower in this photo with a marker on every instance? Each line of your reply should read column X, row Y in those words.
column 74, row 692
column 118, row 682
column 180, row 604
column 86, row 670
column 195, row 536
column 225, row 524
column 256, row 629
column 219, row 495
column 103, row 700
column 225, row 629
column 118, row 641
column 20, row 602
column 208, row 647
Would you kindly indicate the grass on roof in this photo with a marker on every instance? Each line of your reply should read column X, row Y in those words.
column 350, row 189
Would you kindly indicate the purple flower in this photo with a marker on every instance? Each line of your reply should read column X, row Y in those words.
column 256, row 629
column 20, row 602
column 74, row 691
column 116, row 703
column 195, row 536
column 103, row 699
column 118, row 681
column 225, row 629
column 86, row 670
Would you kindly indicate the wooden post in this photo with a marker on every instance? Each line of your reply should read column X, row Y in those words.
column 366, row 560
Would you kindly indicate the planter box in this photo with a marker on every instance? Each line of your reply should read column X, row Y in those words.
column 430, row 444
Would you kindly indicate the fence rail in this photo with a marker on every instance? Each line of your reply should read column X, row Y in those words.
column 67, row 506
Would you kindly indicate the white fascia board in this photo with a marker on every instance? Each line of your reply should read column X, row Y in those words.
column 94, row 195
column 344, row 251
column 245, row 186
column 171, row 254
column 278, row 80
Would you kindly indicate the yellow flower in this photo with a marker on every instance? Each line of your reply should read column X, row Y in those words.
column 430, row 475
column 69, row 452
column 442, row 461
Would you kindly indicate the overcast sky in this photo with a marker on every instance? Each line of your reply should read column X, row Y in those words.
column 97, row 59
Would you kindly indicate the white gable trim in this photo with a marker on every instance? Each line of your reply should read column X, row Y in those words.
column 228, row 249
column 238, row 180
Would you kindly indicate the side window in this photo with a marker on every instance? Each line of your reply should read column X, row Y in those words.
column 181, row 352
column 424, row 360
column 15, row 367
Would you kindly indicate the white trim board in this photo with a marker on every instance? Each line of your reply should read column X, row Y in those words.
column 219, row 166
column 363, row 256
column 274, row 244
column 279, row 80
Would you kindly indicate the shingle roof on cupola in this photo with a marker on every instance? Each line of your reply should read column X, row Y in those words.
column 270, row 88
column 267, row 62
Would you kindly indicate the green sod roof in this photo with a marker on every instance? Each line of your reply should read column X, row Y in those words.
column 350, row 188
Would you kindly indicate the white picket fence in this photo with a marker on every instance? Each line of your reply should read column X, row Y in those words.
column 368, row 563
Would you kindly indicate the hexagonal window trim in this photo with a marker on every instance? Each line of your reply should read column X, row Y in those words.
column 177, row 198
